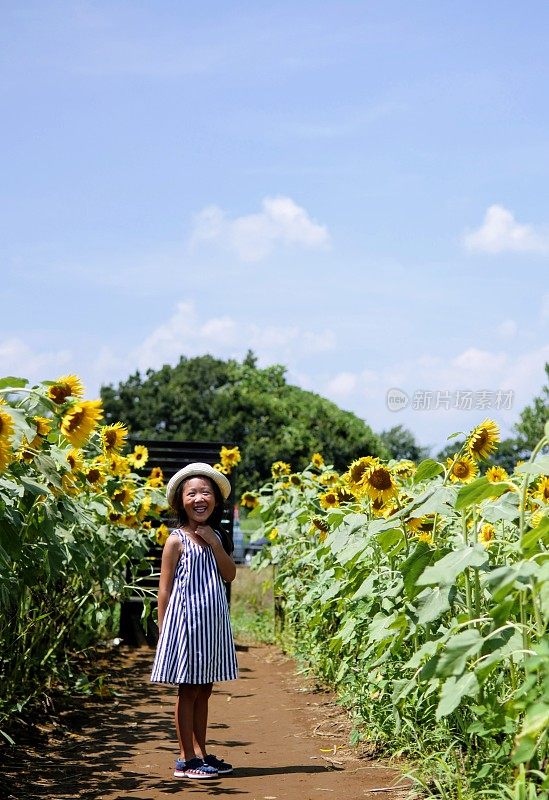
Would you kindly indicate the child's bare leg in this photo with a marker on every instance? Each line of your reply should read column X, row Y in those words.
column 200, row 722
column 184, row 718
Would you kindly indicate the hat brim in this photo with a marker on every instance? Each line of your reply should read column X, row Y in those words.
column 197, row 470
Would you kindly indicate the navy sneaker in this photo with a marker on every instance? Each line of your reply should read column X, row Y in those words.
column 219, row 764
column 193, row 768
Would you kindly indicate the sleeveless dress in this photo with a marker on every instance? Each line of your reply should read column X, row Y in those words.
column 196, row 644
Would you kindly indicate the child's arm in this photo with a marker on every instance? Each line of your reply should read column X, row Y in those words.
column 170, row 557
column 225, row 564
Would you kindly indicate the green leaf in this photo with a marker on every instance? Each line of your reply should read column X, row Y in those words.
column 33, row 487
column 536, row 536
column 538, row 467
column 458, row 648
column 427, row 469
column 536, row 722
column 387, row 540
column 366, row 588
column 13, row 383
column 432, row 603
column 505, row 508
column 479, row 490
column 414, row 565
column 446, row 570
column 454, row 690
column 441, row 501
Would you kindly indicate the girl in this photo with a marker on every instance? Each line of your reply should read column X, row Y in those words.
column 195, row 646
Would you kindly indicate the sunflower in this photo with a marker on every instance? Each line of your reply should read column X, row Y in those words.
column 319, row 524
column 113, row 437
column 542, row 489
column 280, row 468
column 483, row 440
column 155, row 483
column 6, row 425
column 69, row 484
column 161, row 534
column 328, row 478
column 404, row 469
column 425, row 537
column 329, row 499
column 156, row 472
column 249, row 500
column 379, row 484
column 6, row 455
column 139, row 457
column 462, row 470
column 295, row 480
column 317, row 460
column 536, row 518
column 146, row 525
column 67, row 386
column 496, row 474
column 272, row 535
column 43, row 425
column 117, row 465
column 414, row 524
column 123, row 495
column 76, row 460
column 114, row 516
column 358, row 469
column 94, row 475
column 144, row 507
column 80, row 420
column 222, row 468
column 344, row 495
column 486, row 534
column 230, row 457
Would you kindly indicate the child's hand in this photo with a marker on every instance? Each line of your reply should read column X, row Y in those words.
column 207, row 535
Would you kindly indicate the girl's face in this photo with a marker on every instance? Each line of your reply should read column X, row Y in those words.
column 198, row 499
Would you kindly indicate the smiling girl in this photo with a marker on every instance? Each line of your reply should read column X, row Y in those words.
column 195, row 647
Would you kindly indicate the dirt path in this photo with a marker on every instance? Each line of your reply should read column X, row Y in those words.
column 286, row 742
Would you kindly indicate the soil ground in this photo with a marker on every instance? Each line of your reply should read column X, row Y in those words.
column 286, row 740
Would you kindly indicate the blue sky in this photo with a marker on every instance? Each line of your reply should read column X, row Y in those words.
column 357, row 190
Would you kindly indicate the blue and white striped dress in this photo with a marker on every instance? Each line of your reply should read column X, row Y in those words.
column 196, row 644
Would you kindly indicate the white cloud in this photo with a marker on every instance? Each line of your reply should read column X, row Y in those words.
column 342, row 385
column 18, row 359
column 475, row 363
column 253, row 237
column 184, row 333
column 473, row 370
column 501, row 233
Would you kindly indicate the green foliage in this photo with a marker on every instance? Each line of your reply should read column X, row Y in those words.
column 65, row 564
column 208, row 399
column 429, row 613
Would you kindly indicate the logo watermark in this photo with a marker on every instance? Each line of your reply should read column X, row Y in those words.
column 446, row 400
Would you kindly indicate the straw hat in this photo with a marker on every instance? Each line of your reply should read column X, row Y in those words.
column 200, row 470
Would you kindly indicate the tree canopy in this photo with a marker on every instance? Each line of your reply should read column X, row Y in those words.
column 208, row 399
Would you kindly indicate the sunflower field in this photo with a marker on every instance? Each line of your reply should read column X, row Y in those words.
column 421, row 592
column 75, row 517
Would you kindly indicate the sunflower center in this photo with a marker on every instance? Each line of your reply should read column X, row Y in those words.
column 461, row 469
column 74, row 420
column 380, row 479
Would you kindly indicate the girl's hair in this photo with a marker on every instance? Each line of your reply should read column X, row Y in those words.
column 214, row 520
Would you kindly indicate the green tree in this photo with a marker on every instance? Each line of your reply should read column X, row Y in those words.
column 208, row 399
